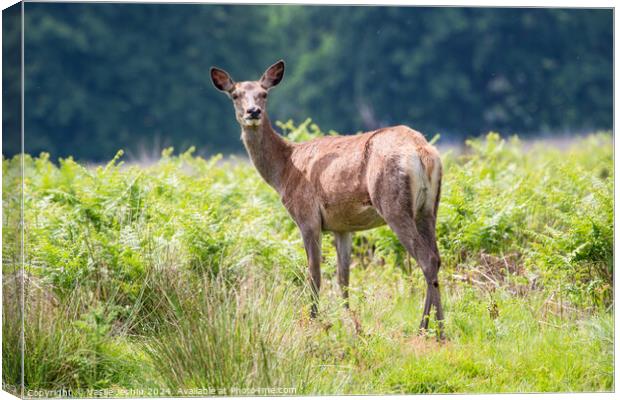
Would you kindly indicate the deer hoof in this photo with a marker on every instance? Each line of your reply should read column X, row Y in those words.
column 313, row 311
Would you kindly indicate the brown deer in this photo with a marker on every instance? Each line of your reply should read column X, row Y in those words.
column 345, row 184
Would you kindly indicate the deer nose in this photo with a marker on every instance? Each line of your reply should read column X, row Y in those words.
column 253, row 112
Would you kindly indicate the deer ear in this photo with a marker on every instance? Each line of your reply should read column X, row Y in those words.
column 273, row 75
column 221, row 80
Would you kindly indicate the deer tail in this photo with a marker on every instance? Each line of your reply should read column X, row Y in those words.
column 438, row 195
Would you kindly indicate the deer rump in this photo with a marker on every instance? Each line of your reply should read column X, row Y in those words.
column 355, row 182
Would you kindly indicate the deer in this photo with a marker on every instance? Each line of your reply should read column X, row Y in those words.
column 344, row 184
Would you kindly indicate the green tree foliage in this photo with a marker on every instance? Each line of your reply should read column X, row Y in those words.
column 100, row 77
column 11, row 79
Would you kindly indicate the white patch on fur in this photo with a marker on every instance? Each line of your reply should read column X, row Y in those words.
column 435, row 182
column 419, row 182
column 252, row 122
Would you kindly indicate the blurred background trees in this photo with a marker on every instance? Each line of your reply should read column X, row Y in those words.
column 100, row 77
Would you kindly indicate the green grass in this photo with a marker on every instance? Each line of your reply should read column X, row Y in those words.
column 188, row 273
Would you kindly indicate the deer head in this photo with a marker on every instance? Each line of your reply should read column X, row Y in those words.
column 250, row 97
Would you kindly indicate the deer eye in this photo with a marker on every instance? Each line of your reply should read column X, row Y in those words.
column 262, row 95
column 235, row 96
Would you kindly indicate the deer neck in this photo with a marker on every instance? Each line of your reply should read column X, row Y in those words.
column 269, row 152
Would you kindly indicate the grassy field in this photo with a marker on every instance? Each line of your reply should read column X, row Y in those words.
column 188, row 275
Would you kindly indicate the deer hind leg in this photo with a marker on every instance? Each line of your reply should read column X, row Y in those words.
column 430, row 262
column 419, row 240
column 416, row 231
column 343, row 250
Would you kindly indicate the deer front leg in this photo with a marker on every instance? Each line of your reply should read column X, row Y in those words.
column 312, row 243
column 343, row 250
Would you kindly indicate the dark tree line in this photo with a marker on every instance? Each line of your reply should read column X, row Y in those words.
column 100, row 77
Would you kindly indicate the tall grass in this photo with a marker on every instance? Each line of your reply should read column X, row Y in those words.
column 225, row 335
column 189, row 274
